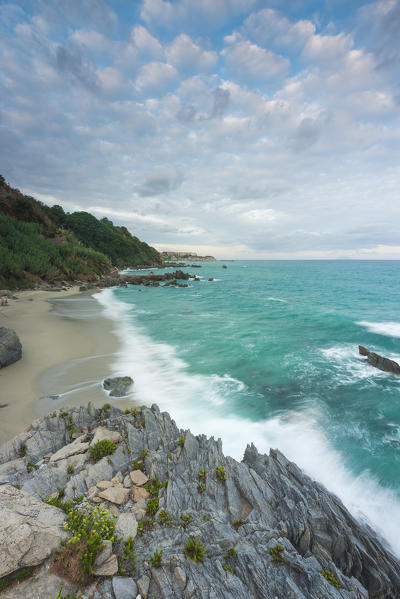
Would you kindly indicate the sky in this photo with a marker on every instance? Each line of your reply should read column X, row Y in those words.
column 244, row 129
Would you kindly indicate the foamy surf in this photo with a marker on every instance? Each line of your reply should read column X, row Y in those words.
column 202, row 403
column 389, row 329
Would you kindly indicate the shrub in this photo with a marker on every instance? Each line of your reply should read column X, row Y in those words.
column 106, row 407
column 237, row 523
column 30, row 466
column 276, row 553
column 128, row 557
column 70, row 469
column 201, row 487
column 154, row 485
column 185, row 520
column 101, row 449
column 165, row 519
column 16, row 576
column 152, row 506
column 331, row 578
column 221, row 474
column 194, row 549
column 181, row 441
column 156, row 559
column 202, row 474
column 230, row 553
column 228, row 568
column 144, row 526
column 73, row 595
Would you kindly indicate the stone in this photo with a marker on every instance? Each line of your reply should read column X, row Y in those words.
column 380, row 362
column 117, row 495
column 74, row 448
column 10, row 347
column 139, row 493
column 143, row 584
column 104, row 484
column 138, row 478
column 30, row 530
column 101, row 433
column 127, row 525
column 124, row 588
column 180, row 577
column 106, row 563
column 118, row 385
column 127, row 481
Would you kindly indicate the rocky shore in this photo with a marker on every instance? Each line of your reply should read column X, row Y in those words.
column 189, row 522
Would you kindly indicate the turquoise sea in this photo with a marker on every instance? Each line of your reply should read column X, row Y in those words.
column 267, row 353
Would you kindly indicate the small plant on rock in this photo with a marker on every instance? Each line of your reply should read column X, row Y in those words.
column 181, row 441
column 194, row 549
column 331, row 578
column 237, row 523
column 230, row 553
column 70, row 469
column 17, row 576
column 156, row 559
column 276, row 553
column 101, row 449
column 107, row 407
column 30, row 466
column 127, row 561
column 71, row 595
column 152, row 506
column 22, row 451
column 221, row 474
column 185, row 520
column 202, row 474
column 144, row 526
column 201, row 487
column 228, row 568
column 154, row 485
column 165, row 519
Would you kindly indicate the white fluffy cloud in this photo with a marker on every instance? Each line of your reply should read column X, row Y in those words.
column 248, row 61
column 156, row 77
column 187, row 56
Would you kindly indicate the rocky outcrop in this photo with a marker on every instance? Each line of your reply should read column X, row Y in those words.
column 118, row 385
column 266, row 528
column 380, row 362
column 10, row 347
column 30, row 530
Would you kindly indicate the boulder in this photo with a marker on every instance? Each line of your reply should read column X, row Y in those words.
column 127, row 525
column 117, row 495
column 10, row 347
column 103, row 434
column 139, row 493
column 106, row 563
column 74, row 448
column 30, row 530
column 118, row 385
column 138, row 478
column 124, row 588
column 379, row 362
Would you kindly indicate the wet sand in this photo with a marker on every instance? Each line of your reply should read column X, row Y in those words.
column 67, row 350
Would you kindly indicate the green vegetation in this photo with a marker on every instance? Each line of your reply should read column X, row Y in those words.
column 221, row 474
column 144, row 526
column 201, row 487
column 73, row 595
column 228, row 568
column 106, row 407
column 276, row 553
column 127, row 562
column 70, row 469
column 230, row 553
column 65, row 506
column 90, row 526
column 185, row 520
column 152, row 506
column 202, row 474
column 181, row 441
column 156, row 559
column 22, row 451
column 101, row 449
column 30, row 466
column 194, row 549
column 331, row 578
column 237, row 523
column 154, row 485
column 38, row 242
column 16, row 576
column 165, row 519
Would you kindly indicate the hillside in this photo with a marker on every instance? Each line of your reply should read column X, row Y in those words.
column 43, row 243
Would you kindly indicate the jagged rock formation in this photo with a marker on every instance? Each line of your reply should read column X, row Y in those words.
column 118, row 386
column 10, row 347
column 268, row 530
column 380, row 362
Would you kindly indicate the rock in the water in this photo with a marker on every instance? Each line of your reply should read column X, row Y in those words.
column 118, row 385
column 30, row 530
column 380, row 362
column 10, row 347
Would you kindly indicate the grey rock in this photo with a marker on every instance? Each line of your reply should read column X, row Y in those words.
column 143, row 584
column 118, row 385
column 124, row 588
column 127, row 525
column 380, row 362
column 10, row 347
column 101, row 433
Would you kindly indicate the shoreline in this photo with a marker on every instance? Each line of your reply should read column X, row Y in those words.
column 57, row 346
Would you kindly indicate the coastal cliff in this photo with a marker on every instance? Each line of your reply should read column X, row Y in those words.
column 190, row 522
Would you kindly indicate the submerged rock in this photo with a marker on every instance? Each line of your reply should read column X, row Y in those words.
column 10, row 347
column 118, row 385
column 380, row 362
column 260, row 528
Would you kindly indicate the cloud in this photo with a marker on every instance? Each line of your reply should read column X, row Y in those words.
column 249, row 62
column 148, row 46
column 70, row 62
column 186, row 56
column 221, row 102
column 156, row 77
column 328, row 50
column 160, row 183
column 268, row 27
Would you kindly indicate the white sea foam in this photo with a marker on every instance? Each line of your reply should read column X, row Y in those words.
column 389, row 329
column 277, row 299
column 195, row 401
column 349, row 365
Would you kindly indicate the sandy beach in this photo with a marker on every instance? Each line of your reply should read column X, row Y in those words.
column 65, row 352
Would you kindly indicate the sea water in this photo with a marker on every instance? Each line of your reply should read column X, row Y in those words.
column 267, row 353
